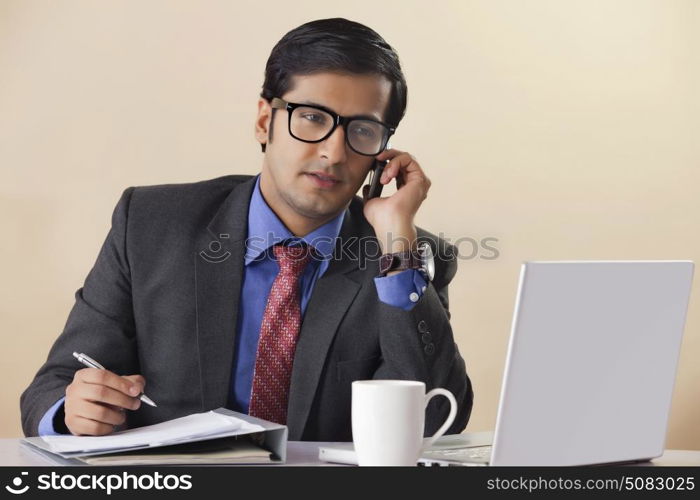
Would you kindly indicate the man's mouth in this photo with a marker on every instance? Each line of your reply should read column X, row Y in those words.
column 323, row 180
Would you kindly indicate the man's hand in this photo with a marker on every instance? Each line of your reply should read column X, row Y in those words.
column 392, row 217
column 96, row 400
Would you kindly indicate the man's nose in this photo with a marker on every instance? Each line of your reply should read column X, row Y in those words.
column 333, row 147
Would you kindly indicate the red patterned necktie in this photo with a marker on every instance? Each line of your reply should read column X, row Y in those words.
column 278, row 336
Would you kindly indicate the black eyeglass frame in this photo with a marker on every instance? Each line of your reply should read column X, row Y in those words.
column 278, row 103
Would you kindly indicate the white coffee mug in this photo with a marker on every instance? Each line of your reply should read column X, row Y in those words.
column 388, row 420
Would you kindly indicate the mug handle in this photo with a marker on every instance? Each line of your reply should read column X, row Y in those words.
column 450, row 418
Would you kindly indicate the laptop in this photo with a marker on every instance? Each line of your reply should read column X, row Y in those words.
column 590, row 368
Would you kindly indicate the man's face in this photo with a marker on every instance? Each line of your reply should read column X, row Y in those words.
column 287, row 180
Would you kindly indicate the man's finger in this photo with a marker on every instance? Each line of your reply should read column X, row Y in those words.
column 98, row 412
column 404, row 163
column 109, row 379
column 136, row 379
column 105, row 394
column 81, row 426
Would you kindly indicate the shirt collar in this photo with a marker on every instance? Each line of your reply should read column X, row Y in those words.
column 265, row 229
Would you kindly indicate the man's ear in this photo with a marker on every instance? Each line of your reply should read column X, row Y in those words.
column 262, row 122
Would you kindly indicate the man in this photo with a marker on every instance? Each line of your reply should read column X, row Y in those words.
column 266, row 294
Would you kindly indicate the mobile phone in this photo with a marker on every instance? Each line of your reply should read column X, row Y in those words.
column 375, row 187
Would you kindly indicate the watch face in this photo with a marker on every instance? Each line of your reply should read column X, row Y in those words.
column 428, row 261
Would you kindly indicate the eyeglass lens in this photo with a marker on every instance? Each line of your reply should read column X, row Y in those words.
column 364, row 136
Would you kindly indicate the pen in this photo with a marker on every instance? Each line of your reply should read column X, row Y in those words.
column 91, row 363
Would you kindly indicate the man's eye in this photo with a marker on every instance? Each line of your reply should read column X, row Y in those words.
column 314, row 117
column 364, row 132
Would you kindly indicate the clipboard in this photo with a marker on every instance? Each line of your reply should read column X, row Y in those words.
column 269, row 436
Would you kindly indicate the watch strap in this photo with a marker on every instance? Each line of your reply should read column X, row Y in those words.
column 399, row 261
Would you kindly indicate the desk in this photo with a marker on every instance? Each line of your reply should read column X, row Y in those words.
column 299, row 453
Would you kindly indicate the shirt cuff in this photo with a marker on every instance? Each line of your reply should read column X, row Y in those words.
column 402, row 289
column 46, row 424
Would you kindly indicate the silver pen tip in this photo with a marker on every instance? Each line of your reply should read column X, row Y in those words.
column 148, row 400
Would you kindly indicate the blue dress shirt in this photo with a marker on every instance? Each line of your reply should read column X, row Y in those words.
column 265, row 230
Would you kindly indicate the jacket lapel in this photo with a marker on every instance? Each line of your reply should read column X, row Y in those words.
column 219, row 259
column 332, row 296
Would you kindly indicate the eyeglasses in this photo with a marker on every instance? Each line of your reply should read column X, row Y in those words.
column 309, row 123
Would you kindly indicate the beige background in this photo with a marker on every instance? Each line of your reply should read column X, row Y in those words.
column 566, row 129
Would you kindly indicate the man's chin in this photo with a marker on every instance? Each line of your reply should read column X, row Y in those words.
column 319, row 211
column 315, row 206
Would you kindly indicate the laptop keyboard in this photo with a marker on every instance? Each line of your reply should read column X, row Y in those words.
column 460, row 454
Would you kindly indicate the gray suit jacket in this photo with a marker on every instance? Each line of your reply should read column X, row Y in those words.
column 162, row 301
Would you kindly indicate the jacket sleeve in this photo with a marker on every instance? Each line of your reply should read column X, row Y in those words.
column 100, row 324
column 418, row 344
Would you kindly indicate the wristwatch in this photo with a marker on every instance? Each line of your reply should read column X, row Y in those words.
column 421, row 259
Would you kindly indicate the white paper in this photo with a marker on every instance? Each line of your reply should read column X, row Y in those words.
column 197, row 425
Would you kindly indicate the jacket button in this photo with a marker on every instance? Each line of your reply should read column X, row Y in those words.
column 422, row 326
column 429, row 349
column 426, row 338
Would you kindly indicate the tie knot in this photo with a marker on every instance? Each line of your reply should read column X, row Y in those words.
column 293, row 259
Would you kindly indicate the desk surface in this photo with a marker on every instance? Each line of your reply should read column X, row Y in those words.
column 299, row 453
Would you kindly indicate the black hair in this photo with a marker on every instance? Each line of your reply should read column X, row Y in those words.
column 334, row 45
